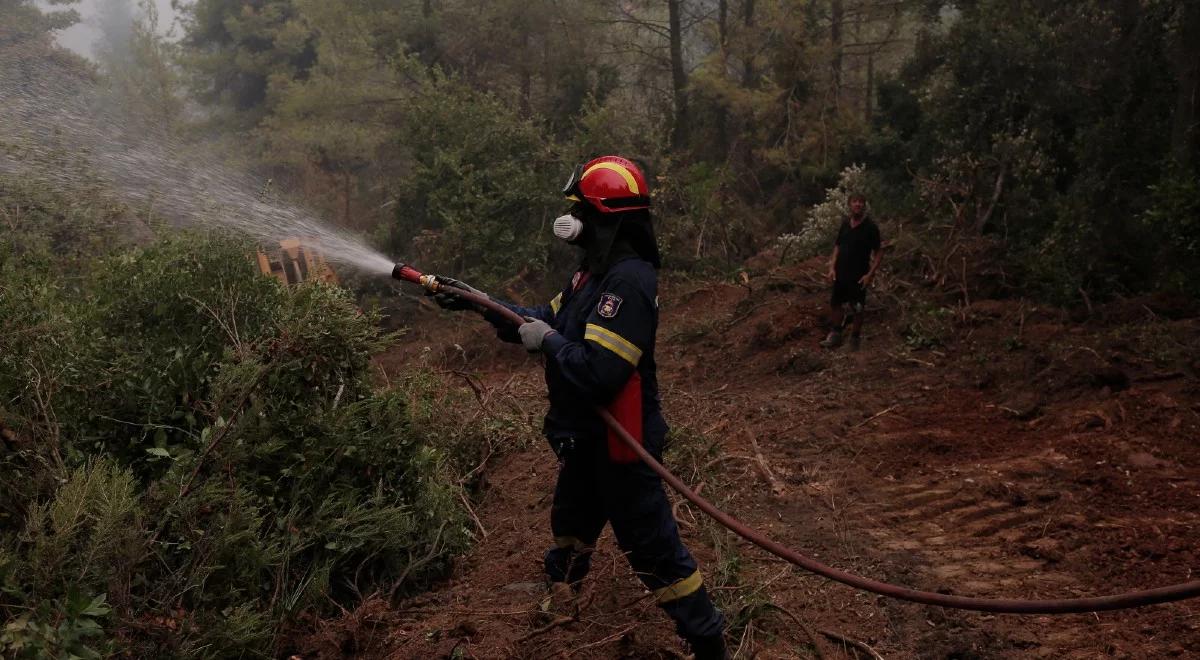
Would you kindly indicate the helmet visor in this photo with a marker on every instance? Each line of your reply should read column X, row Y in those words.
column 571, row 189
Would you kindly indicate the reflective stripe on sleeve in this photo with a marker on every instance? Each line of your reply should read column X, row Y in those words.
column 685, row 587
column 613, row 342
column 556, row 304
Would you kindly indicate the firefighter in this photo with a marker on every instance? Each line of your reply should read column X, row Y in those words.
column 598, row 336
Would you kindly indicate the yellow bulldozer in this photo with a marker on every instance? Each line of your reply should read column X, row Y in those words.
column 294, row 261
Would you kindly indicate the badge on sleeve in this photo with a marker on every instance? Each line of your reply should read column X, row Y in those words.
column 609, row 304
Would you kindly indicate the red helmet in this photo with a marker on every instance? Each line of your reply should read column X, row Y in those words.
column 612, row 184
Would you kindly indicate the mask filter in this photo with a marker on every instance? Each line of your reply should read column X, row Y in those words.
column 568, row 227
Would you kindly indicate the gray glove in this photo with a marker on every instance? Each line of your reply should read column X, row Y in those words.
column 533, row 334
column 447, row 299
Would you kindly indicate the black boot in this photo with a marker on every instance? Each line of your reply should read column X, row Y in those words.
column 833, row 340
column 709, row 648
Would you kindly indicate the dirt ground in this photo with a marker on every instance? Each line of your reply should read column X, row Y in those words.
column 1021, row 454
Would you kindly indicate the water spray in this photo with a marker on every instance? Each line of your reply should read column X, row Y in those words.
column 78, row 138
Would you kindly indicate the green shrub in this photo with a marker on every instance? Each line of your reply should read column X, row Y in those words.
column 696, row 227
column 927, row 326
column 87, row 535
column 79, row 544
column 175, row 379
column 1174, row 216
column 57, row 629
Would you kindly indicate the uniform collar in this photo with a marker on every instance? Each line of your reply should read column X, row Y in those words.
column 598, row 265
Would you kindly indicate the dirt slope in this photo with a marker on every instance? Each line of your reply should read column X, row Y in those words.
column 1025, row 456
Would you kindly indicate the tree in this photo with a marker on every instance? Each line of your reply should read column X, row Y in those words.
column 115, row 20
column 481, row 189
column 544, row 57
column 1185, row 123
column 336, row 122
column 679, row 79
column 139, row 65
column 233, row 49
column 23, row 26
column 1023, row 128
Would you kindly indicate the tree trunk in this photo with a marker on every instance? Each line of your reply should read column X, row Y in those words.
column 526, row 77
column 722, row 22
column 679, row 135
column 425, row 43
column 867, row 109
column 722, row 110
column 837, row 16
column 1185, row 135
column 748, row 77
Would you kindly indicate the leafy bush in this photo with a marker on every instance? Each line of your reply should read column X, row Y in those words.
column 694, row 224
column 1174, row 216
column 73, row 547
column 56, row 630
column 175, row 379
column 927, row 326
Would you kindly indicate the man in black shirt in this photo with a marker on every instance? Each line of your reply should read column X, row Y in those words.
column 852, row 267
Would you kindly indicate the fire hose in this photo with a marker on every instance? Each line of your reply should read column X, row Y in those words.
column 1121, row 601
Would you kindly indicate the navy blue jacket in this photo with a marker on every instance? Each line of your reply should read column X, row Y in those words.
column 606, row 328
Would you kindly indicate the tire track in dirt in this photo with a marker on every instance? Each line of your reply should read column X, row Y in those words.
column 1003, row 530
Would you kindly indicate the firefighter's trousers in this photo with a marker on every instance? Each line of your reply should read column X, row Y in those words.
column 593, row 491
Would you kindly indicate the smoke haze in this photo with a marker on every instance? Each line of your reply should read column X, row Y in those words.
column 82, row 37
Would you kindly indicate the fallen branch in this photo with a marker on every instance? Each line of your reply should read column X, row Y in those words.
column 467, row 504
column 726, row 457
column 558, row 621
column 877, row 415
column 1087, row 301
column 911, row 359
column 776, row 487
column 818, row 647
column 1011, row 411
column 478, row 390
column 870, row 652
column 430, row 556
column 611, row 638
column 718, row 390
column 745, row 315
column 680, row 502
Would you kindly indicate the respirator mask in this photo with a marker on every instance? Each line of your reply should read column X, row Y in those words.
column 568, row 228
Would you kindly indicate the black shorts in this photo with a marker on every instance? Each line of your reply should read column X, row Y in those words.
column 851, row 293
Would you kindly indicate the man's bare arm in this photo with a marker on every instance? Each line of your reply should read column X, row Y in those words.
column 876, row 259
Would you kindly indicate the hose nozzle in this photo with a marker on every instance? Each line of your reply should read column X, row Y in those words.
column 406, row 273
